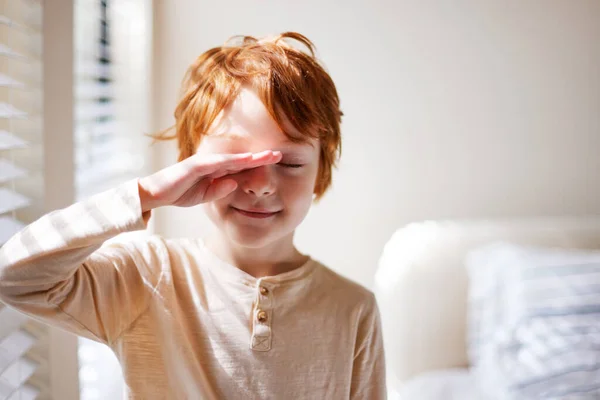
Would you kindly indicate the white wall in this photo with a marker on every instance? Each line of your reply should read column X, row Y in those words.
column 454, row 109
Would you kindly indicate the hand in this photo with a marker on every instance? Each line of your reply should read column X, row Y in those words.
column 198, row 179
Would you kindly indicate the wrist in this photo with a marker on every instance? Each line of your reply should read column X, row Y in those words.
column 146, row 198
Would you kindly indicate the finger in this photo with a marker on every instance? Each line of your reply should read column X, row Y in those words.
column 256, row 160
column 259, row 159
column 219, row 189
column 237, row 169
column 215, row 163
column 189, row 171
column 263, row 158
column 208, row 163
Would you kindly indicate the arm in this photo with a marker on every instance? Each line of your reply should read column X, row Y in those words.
column 368, row 372
column 56, row 271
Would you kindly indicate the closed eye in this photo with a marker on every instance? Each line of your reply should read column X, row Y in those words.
column 291, row 165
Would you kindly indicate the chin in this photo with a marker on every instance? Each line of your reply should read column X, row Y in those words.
column 250, row 237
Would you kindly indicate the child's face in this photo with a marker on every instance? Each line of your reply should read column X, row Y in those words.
column 270, row 201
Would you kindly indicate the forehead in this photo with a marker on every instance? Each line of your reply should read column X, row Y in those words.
column 247, row 120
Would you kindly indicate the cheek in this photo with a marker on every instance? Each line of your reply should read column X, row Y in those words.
column 297, row 188
column 217, row 210
column 212, row 211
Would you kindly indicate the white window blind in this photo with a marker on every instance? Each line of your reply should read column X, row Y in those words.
column 112, row 58
column 24, row 350
column 106, row 149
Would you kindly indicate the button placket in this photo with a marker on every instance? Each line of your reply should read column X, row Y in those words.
column 262, row 316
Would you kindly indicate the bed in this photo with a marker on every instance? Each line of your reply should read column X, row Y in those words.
column 422, row 289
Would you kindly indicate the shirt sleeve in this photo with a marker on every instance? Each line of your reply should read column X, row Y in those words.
column 57, row 270
column 368, row 372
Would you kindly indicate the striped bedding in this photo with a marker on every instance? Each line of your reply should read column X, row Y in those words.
column 534, row 322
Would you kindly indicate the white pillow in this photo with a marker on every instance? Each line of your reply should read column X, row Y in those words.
column 534, row 321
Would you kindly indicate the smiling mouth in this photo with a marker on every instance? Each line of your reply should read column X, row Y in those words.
column 260, row 214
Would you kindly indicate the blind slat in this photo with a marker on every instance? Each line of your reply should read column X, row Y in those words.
column 107, row 170
column 11, row 320
column 8, row 52
column 7, row 81
column 92, row 111
column 92, row 70
column 25, row 393
column 101, row 150
column 4, row 20
column 17, row 373
column 14, row 346
column 10, row 111
column 15, row 369
column 12, row 201
column 8, row 228
column 96, row 129
column 9, row 141
column 9, row 171
column 93, row 90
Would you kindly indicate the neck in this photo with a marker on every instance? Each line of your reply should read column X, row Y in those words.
column 273, row 259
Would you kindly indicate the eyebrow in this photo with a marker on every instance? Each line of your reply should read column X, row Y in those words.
column 237, row 136
column 229, row 135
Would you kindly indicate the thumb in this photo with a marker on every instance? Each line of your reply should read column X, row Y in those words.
column 219, row 188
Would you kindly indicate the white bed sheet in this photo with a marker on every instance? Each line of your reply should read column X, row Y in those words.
column 451, row 384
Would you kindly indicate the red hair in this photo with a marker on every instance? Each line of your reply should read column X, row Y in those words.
column 291, row 83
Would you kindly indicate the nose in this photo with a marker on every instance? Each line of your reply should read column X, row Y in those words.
column 259, row 181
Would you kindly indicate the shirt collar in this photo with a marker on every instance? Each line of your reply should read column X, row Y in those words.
column 231, row 272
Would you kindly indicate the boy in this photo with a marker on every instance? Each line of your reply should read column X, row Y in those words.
column 242, row 315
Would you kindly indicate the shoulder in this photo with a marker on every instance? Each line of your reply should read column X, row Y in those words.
column 151, row 253
column 138, row 244
column 344, row 290
column 144, row 243
column 156, row 258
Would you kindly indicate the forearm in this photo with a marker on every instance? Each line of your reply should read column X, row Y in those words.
column 49, row 251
